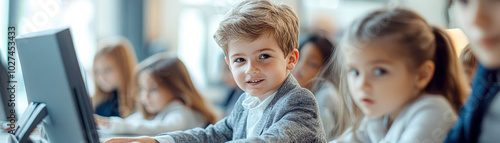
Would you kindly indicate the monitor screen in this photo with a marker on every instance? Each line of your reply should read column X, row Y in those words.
column 52, row 76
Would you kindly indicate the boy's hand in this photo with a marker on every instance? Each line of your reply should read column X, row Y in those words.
column 101, row 121
column 143, row 139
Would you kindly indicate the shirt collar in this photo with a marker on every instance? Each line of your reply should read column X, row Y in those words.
column 252, row 102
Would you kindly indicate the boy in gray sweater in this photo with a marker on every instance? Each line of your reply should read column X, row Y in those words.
column 260, row 42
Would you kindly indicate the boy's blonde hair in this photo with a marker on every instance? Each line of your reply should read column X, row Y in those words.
column 251, row 19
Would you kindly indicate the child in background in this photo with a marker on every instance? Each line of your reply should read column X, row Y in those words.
column 259, row 39
column 403, row 75
column 469, row 64
column 315, row 51
column 479, row 119
column 169, row 101
column 113, row 71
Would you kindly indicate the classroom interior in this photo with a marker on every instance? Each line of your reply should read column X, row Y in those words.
column 185, row 28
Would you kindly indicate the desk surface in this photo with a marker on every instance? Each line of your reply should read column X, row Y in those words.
column 35, row 136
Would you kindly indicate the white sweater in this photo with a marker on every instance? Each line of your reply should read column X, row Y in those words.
column 176, row 116
column 326, row 103
column 427, row 119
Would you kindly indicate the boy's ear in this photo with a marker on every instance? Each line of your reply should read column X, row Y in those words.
column 425, row 74
column 292, row 59
column 227, row 62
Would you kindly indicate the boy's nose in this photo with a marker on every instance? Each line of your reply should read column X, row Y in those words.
column 252, row 68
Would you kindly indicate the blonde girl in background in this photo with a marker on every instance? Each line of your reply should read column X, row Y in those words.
column 403, row 76
column 113, row 70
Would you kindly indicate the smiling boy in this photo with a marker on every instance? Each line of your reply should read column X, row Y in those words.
column 260, row 41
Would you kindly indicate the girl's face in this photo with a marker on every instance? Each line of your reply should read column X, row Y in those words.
column 107, row 74
column 153, row 97
column 379, row 80
column 481, row 22
column 309, row 64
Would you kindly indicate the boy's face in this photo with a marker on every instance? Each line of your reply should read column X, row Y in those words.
column 481, row 22
column 259, row 67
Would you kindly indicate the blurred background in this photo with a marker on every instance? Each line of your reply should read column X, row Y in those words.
column 184, row 27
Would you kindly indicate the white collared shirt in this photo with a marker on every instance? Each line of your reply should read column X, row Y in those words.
column 255, row 110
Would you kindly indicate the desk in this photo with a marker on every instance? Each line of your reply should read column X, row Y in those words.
column 4, row 136
column 35, row 136
column 104, row 136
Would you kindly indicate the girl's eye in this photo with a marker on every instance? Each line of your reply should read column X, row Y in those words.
column 314, row 64
column 106, row 70
column 353, row 73
column 379, row 72
column 142, row 90
column 238, row 60
column 463, row 1
column 264, row 56
column 154, row 89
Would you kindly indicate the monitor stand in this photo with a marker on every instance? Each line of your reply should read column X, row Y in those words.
column 33, row 115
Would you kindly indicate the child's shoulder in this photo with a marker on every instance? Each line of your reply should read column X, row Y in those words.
column 298, row 94
column 431, row 103
column 291, row 93
column 431, row 99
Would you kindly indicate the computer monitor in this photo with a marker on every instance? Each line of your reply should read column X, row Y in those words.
column 53, row 79
column 7, row 114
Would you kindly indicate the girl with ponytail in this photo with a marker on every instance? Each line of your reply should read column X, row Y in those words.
column 402, row 77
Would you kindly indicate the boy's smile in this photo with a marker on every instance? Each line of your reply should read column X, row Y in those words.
column 259, row 67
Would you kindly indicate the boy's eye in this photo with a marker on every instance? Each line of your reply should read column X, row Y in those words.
column 379, row 72
column 238, row 60
column 264, row 56
column 353, row 73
